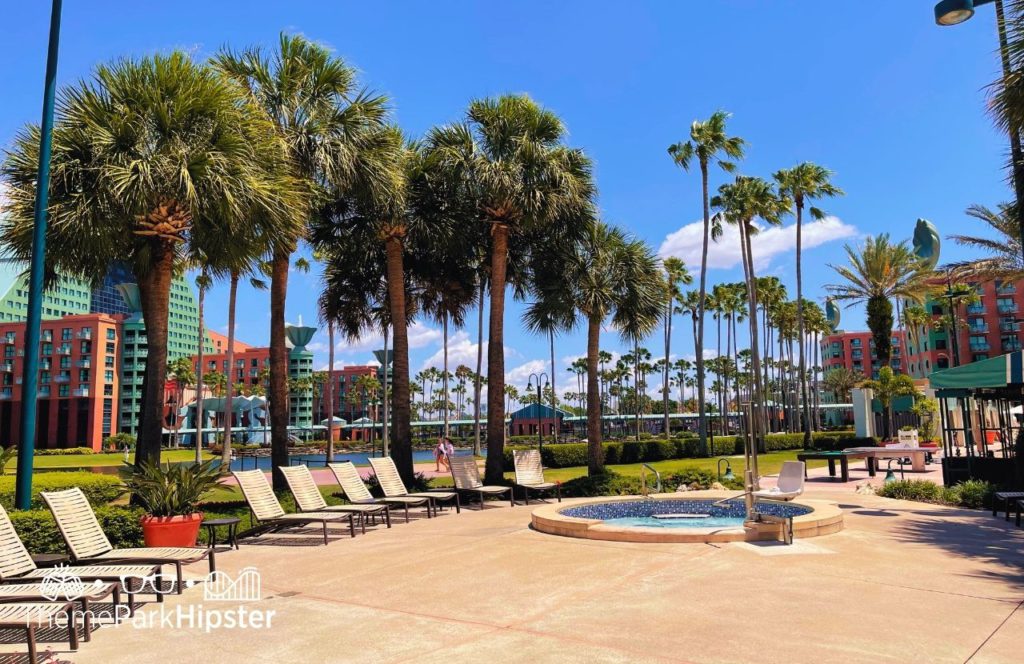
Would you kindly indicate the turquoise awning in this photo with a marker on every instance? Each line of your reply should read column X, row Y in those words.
column 993, row 373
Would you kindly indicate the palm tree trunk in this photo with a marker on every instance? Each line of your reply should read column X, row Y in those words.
column 667, row 368
column 155, row 293
column 444, row 375
column 702, row 423
column 801, row 330
column 229, row 383
column 385, row 440
column 554, row 393
column 757, row 388
column 277, row 393
column 595, row 451
column 494, row 472
column 330, row 391
column 199, row 378
column 401, row 446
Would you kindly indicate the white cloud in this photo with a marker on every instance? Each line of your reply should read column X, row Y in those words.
column 421, row 335
column 520, row 375
column 460, row 351
column 686, row 242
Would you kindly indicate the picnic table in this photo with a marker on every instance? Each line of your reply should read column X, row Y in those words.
column 917, row 456
column 831, row 457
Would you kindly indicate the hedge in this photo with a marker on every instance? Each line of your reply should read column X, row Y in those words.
column 39, row 533
column 564, row 455
column 99, row 489
column 64, row 451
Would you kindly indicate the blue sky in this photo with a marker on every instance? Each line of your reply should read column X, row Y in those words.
column 888, row 100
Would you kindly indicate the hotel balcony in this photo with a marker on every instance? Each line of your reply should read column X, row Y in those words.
column 979, row 347
column 47, row 336
column 61, row 379
column 84, row 363
column 1010, row 346
column 85, row 333
column 7, row 366
column 44, row 392
column 978, row 329
column 1008, row 326
column 1006, row 289
column 64, row 350
column 1007, row 308
column 976, row 309
column 9, row 339
column 81, row 392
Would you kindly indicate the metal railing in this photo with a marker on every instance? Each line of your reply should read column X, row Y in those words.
column 644, row 467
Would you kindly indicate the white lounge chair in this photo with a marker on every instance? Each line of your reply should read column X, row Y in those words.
column 466, row 476
column 392, row 485
column 267, row 510
column 309, row 499
column 356, row 492
column 790, row 484
column 530, row 474
column 88, row 544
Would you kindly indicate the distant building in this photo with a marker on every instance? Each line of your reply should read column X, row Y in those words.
column 526, row 420
column 349, row 403
column 856, row 351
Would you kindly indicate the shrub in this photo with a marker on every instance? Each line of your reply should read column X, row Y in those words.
column 419, row 483
column 171, row 490
column 64, row 451
column 921, row 490
column 119, row 441
column 606, row 484
column 99, row 489
column 972, row 494
column 38, row 530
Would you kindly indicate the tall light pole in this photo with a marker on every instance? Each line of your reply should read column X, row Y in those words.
column 954, row 12
column 30, row 372
column 529, row 386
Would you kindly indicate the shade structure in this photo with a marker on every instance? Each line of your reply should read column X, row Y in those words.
column 993, row 373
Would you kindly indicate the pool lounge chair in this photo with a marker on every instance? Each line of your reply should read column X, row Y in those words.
column 356, row 492
column 88, row 544
column 467, row 480
column 266, row 509
column 530, row 475
column 18, row 568
column 392, row 485
column 790, row 484
column 30, row 616
column 309, row 499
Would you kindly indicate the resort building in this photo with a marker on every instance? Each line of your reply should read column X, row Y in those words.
column 79, row 380
column 856, row 351
column 350, row 403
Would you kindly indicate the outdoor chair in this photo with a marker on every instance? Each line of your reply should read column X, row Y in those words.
column 1007, row 497
column 30, row 616
column 309, row 499
column 392, row 485
column 530, row 474
column 790, row 484
column 266, row 508
column 88, row 544
column 467, row 480
column 356, row 492
column 18, row 568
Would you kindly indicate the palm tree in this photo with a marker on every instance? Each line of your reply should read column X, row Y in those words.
column 804, row 183
column 1004, row 260
column 318, row 111
column 676, row 276
column 841, row 381
column 708, row 142
column 184, row 374
column 550, row 312
column 150, row 159
column 203, row 283
column 878, row 272
column 740, row 203
column 609, row 273
column 887, row 388
column 508, row 158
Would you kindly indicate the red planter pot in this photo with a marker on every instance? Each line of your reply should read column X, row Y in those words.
column 171, row 530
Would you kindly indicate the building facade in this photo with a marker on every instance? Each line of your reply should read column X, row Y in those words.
column 856, row 351
column 79, row 380
column 350, row 403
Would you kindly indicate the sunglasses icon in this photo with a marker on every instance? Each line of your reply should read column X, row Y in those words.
column 159, row 584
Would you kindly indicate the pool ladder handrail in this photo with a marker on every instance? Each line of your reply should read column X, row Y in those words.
column 644, row 467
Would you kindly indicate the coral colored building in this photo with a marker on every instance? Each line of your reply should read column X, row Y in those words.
column 856, row 351
column 78, row 380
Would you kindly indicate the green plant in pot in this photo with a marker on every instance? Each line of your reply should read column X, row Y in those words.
column 170, row 493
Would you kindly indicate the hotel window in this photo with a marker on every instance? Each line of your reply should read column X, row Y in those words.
column 63, row 390
column 83, row 375
column 108, row 390
column 111, row 334
column 108, row 375
column 47, row 349
column 65, row 334
column 85, row 347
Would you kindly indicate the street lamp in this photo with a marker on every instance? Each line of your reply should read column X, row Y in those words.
column 30, row 376
column 954, row 12
column 529, row 386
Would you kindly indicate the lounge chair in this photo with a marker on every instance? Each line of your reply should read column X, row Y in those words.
column 467, row 480
column 18, row 568
column 88, row 544
column 530, row 474
column 30, row 616
column 392, row 485
column 309, row 499
column 790, row 484
column 356, row 492
column 266, row 509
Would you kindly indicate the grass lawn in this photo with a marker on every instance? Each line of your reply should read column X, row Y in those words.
column 112, row 459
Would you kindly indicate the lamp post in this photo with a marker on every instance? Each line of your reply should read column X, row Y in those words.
column 30, row 375
column 954, row 12
column 529, row 386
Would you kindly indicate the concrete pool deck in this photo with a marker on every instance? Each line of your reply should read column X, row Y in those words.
column 903, row 582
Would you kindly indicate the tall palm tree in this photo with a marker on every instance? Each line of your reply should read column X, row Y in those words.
column 708, row 142
column 324, row 119
column 549, row 313
column 1004, row 259
column 151, row 158
column 676, row 276
column 203, row 283
column 609, row 273
column 509, row 158
column 740, row 203
column 878, row 272
column 803, row 184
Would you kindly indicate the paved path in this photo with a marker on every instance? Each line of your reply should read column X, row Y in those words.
column 904, row 582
